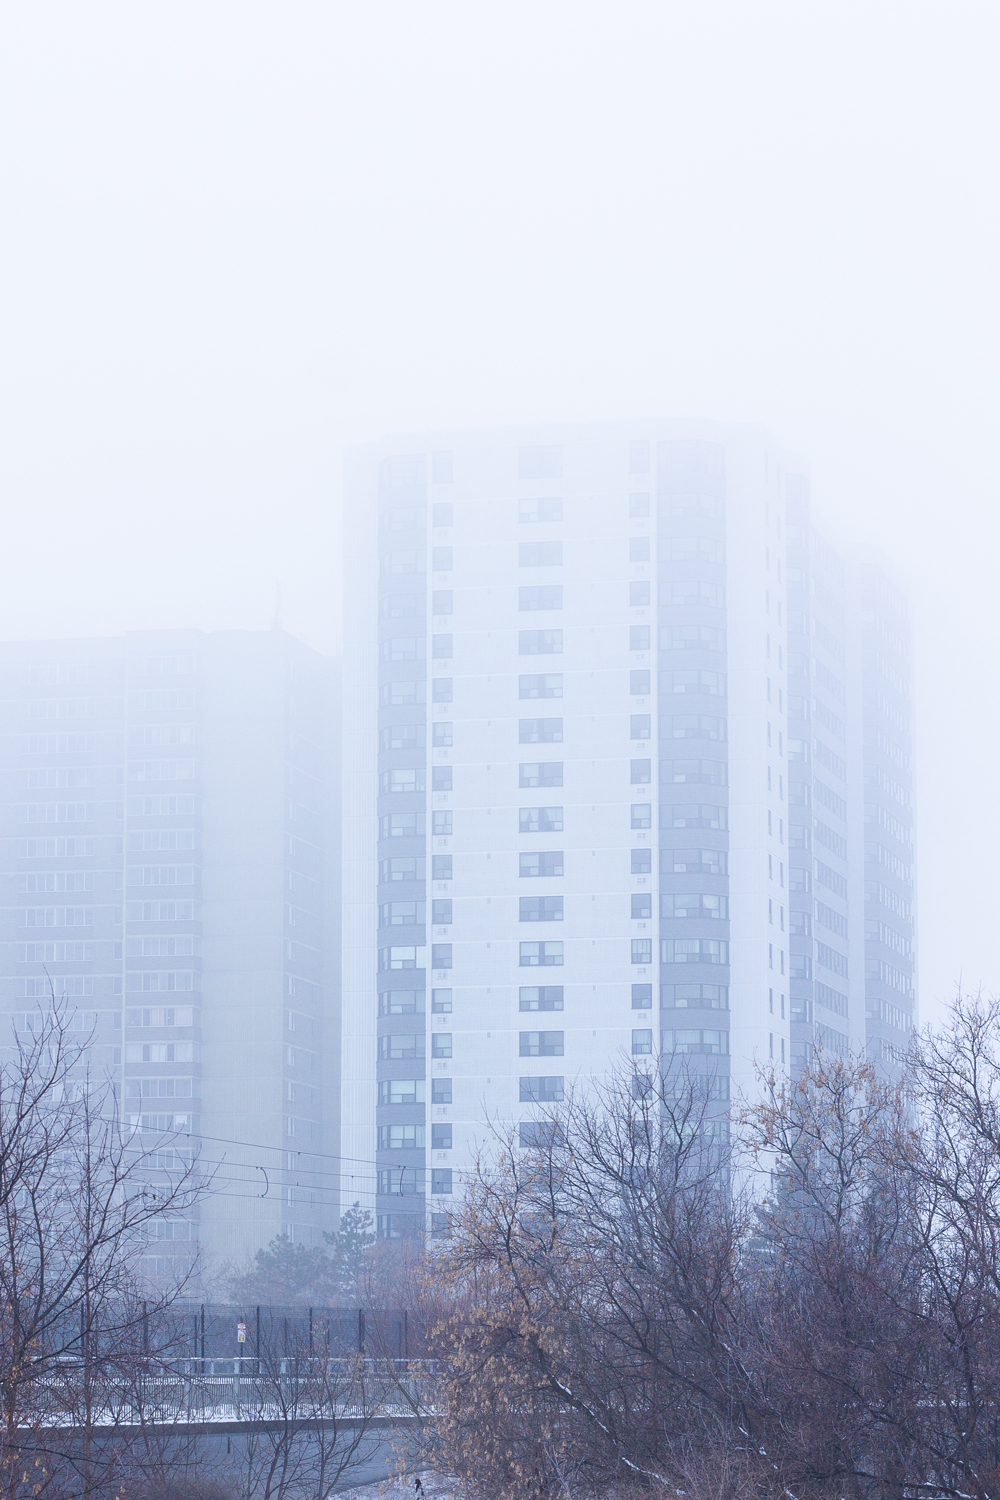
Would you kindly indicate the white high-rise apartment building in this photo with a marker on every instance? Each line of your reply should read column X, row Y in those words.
column 621, row 777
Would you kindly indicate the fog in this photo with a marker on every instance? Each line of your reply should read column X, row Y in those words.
column 237, row 236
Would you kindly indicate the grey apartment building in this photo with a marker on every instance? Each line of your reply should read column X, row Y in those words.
column 627, row 773
column 169, row 862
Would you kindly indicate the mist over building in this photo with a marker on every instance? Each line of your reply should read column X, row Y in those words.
column 169, row 859
column 626, row 769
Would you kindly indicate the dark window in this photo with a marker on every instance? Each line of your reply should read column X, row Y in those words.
column 695, row 996
column 440, row 1137
column 442, row 647
column 541, row 997
column 540, row 820
column 441, row 956
column 441, row 912
column 541, row 1090
column 441, row 1044
column 441, row 1002
column 441, row 866
column 441, row 1180
column 638, row 637
column 541, row 1043
column 442, row 735
column 640, row 726
column 642, row 904
column 642, row 772
column 541, row 955
column 638, row 682
column 440, row 1090
column 638, row 594
column 540, row 908
column 541, row 773
column 638, row 505
column 441, row 822
column 441, row 558
column 642, row 861
column 443, row 513
column 442, row 689
column 642, row 996
column 441, row 778
column 642, row 815
column 642, row 950
column 694, row 815
column 443, row 602
column 440, row 1225
column 540, row 864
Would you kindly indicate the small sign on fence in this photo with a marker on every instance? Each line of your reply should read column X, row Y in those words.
column 241, row 1333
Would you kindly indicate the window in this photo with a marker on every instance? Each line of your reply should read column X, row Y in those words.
column 540, row 997
column 538, row 1134
column 442, row 736
column 695, row 772
column 540, row 510
column 641, row 815
column 697, row 996
column 638, row 505
column 694, row 815
column 441, row 956
column 540, row 554
column 401, row 781
column 696, row 681
column 640, row 726
column 440, row 1091
column 441, row 559
column 406, row 648
column 638, row 549
column 398, row 826
column 401, row 1091
column 536, row 864
column 642, row 950
column 707, row 1043
column 441, row 913
column 400, row 737
column 442, row 513
column 440, row 1225
column 541, row 1043
column 400, row 1137
column 638, row 594
column 400, row 913
column 442, row 646
column 541, row 773
column 800, row 924
column 397, row 694
column 441, row 1002
column 642, row 861
column 638, row 682
column 638, row 638
column 693, row 727
column 712, row 595
column 641, row 772
column 694, row 951
column 441, row 822
column 400, row 1003
column 443, row 602
column 541, row 1090
column 398, row 1046
column 441, row 1180
column 540, row 908
column 642, row 905
column 402, row 956
column 442, row 689
column 441, row 779
column 642, row 996
column 695, row 904
column 642, row 1042
column 694, row 862
column 441, row 1044
column 540, row 643
column 541, row 596
column 541, row 955
column 540, row 685
column 692, row 638
column 440, row 1137
column 399, row 1180
column 441, row 865
column 540, row 820
column 539, row 463
column 540, row 731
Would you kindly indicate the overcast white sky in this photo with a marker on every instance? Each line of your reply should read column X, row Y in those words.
column 234, row 236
